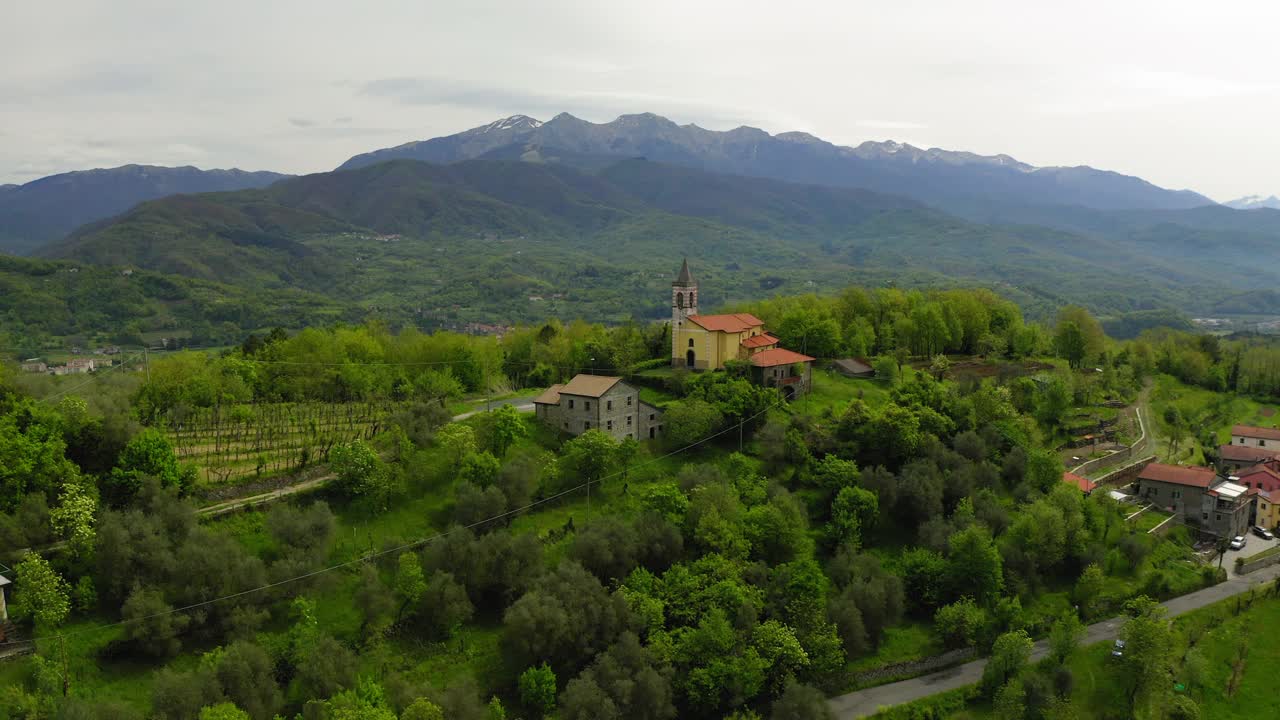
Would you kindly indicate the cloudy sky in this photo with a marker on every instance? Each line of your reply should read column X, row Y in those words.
column 1183, row 94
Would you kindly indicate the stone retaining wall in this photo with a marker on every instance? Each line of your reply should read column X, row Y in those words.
column 1244, row 568
column 916, row 667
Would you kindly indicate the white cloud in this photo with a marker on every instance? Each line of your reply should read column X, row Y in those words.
column 1180, row 93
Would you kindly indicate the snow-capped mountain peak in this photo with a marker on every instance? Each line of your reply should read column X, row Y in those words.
column 1252, row 202
column 515, row 122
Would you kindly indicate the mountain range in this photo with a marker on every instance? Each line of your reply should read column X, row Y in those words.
column 959, row 182
column 1254, row 202
column 520, row 219
column 45, row 210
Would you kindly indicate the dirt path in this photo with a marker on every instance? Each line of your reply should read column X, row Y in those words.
column 870, row 701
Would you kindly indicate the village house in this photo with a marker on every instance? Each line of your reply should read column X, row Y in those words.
column 1234, row 458
column 1080, row 482
column 34, row 365
column 1199, row 496
column 598, row 402
column 1251, row 436
column 710, row 342
column 1263, row 483
column 4, row 591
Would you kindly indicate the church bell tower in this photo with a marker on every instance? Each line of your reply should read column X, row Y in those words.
column 684, row 297
column 684, row 302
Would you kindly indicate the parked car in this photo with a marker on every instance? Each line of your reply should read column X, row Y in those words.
column 1238, row 542
column 1263, row 533
column 1117, row 650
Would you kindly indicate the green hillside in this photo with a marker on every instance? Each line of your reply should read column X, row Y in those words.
column 508, row 241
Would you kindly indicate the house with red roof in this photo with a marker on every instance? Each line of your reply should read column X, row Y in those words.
column 1199, row 495
column 1080, row 482
column 709, row 342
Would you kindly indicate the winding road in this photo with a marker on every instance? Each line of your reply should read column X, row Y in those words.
column 863, row 703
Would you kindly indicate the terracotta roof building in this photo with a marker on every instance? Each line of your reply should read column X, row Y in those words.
column 1255, row 436
column 709, row 342
column 1203, row 498
column 1084, row 484
column 1234, row 458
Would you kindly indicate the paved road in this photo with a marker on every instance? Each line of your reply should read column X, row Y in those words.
column 867, row 702
column 523, row 404
column 1253, row 546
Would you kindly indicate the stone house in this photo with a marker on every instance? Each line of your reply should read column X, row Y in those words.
column 790, row 372
column 1234, row 458
column 1199, row 496
column 598, row 402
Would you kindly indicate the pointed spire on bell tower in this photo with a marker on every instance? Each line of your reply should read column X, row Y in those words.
column 685, row 278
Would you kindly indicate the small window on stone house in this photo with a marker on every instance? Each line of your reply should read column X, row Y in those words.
column 629, row 400
column 608, row 404
column 650, row 417
column 1204, row 516
column 571, row 404
column 628, row 421
column 586, row 424
column 1217, row 517
column 609, row 424
column 586, row 404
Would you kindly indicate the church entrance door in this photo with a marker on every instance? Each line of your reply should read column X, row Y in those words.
column 689, row 359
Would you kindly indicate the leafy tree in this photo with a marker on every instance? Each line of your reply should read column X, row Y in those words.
column 458, row 441
column 589, row 457
column 712, row 667
column 247, row 676
column 445, row 607
column 422, row 709
column 149, row 453
column 364, row 702
column 974, row 565
column 327, row 668
column 1044, row 470
column 507, row 428
column 1148, row 639
column 852, row 510
column 360, row 472
column 1065, row 636
column 801, row 702
column 833, row 473
column 73, row 518
column 1183, row 708
column 410, row 581
column 688, row 421
column 1069, row 341
column 40, row 593
column 479, row 469
column 374, row 601
column 665, row 499
column 151, row 624
column 537, row 687
column 476, row 508
column 181, row 695
column 1088, row 589
column 1010, row 702
column 887, row 369
column 567, row 617
column 223, row 711
column 959, row 623
column 1009, row 655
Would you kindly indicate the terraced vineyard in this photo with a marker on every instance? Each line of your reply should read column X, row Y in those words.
column 238, row 443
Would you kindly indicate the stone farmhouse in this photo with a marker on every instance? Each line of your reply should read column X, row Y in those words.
column 709, row 342
column 598, row 402
column 1199, row 496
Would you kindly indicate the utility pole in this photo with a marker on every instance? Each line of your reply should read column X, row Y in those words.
column 146, row 361
column 66, row 678
column 740, row 424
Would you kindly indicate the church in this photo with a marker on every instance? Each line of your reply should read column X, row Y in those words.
column 707, row 342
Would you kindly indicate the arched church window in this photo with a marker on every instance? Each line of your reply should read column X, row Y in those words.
column 679, row 300
column 690, row 342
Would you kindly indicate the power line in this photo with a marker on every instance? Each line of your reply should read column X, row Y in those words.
column 93, row 377
column 406, row 546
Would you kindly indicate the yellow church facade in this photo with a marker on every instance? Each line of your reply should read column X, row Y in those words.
column 707, row 342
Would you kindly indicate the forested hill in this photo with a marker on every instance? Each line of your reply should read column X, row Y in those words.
column 490, row 240
column 45, row 210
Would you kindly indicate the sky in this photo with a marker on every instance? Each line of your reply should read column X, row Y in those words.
column 1185, row 95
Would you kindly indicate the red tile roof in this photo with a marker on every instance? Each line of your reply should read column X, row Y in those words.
column 1262, row 475
column 763, row 340
column 738, row 322
column 1085, row 484
column 774, row 357
column 1179, row 475
column 1246, row 453
column 1256, row 432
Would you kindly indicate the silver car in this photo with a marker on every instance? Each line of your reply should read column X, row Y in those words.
column 1237, row 542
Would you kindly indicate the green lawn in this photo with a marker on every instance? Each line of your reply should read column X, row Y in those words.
column 833, row 391
column 909, row 641
column 1149, row 519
